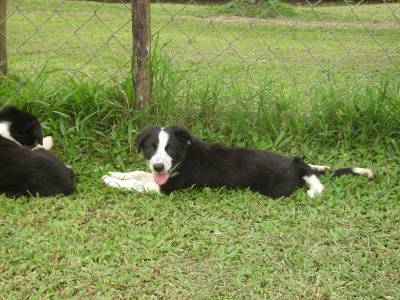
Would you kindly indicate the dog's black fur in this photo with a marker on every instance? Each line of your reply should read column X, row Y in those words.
column 201, row 164
column 24, row 171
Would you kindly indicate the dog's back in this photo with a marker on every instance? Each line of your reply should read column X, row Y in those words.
column 216, row 165
column 24, row 171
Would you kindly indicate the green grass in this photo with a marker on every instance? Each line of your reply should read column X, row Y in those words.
column 105, row 243
column 339, row 12
column 214, row 244
column 208, row 244
column 262, row 9
column 78, row 39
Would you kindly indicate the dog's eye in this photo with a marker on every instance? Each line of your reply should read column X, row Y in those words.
column 153, row 146
column 169, row 149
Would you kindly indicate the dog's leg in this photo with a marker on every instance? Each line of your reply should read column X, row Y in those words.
column 139, row 175
column 319, row 168
column 315, row 185
column 47, row 144
column 132, row 184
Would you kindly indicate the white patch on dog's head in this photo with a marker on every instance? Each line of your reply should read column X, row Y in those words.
column 160, row 163
column 164, row 149
column 5, row 132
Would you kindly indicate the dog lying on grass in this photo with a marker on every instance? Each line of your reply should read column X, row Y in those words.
column 178, row 160
column 26, row 165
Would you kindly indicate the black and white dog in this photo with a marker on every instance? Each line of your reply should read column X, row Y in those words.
column 178, row 160
column 26, row 165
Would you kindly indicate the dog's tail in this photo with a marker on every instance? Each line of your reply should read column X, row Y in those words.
column 353, row 171
column 310, row 173
column 320, row 170
column 307, row 169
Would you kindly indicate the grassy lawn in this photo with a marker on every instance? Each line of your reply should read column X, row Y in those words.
column 210, row 244
column 206, row 245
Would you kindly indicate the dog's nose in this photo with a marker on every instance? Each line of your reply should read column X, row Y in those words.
column 158, row 167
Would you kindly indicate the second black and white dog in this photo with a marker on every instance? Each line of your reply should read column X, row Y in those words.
column 26, row 165
column 178, row 160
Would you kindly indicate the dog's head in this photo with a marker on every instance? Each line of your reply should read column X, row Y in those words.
column 164, row 149
column 20, row 127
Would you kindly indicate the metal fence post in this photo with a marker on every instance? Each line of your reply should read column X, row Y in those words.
column 141, row 51
column 3, row 46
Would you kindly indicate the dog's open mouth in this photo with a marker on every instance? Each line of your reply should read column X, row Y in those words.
column 161, row 178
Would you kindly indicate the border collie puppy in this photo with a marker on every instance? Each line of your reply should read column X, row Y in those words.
column 178, row 160
column 26, row 165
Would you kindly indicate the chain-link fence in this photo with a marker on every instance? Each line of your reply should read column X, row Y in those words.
column 80, row 37
column 261, row 41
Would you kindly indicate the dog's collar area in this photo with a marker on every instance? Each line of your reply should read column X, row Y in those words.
column 173, row 171
column 173, row 174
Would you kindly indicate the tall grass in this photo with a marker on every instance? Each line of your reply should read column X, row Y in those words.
column 92, row 118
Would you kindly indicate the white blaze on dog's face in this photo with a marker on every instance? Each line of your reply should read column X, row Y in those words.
column 161, row 162
column 164, row 149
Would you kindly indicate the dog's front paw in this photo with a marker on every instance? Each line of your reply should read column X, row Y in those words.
column 110, row 181
column 48, row 142
column 119, row 175
column 138, row 175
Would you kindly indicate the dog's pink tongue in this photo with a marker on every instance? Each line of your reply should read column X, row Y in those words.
column 160, row 179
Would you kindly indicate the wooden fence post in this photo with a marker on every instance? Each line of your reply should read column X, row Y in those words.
column 141, row 51
column 3, row 46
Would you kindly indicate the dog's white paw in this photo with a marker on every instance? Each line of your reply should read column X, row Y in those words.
column 144, row 176
column 124, row 176
column 311, row 193
column 48, row 142
column 117, row 175
column 316, row 187
column 315, row 191
column 110, row 181
column 138, row 175
column 132, row 184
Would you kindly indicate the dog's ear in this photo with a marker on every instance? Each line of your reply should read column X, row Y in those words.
column 37, row 132
column 8, row 110
column 143, row 136
column 182, row 134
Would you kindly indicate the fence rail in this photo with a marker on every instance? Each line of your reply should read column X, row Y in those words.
column 269, row 41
